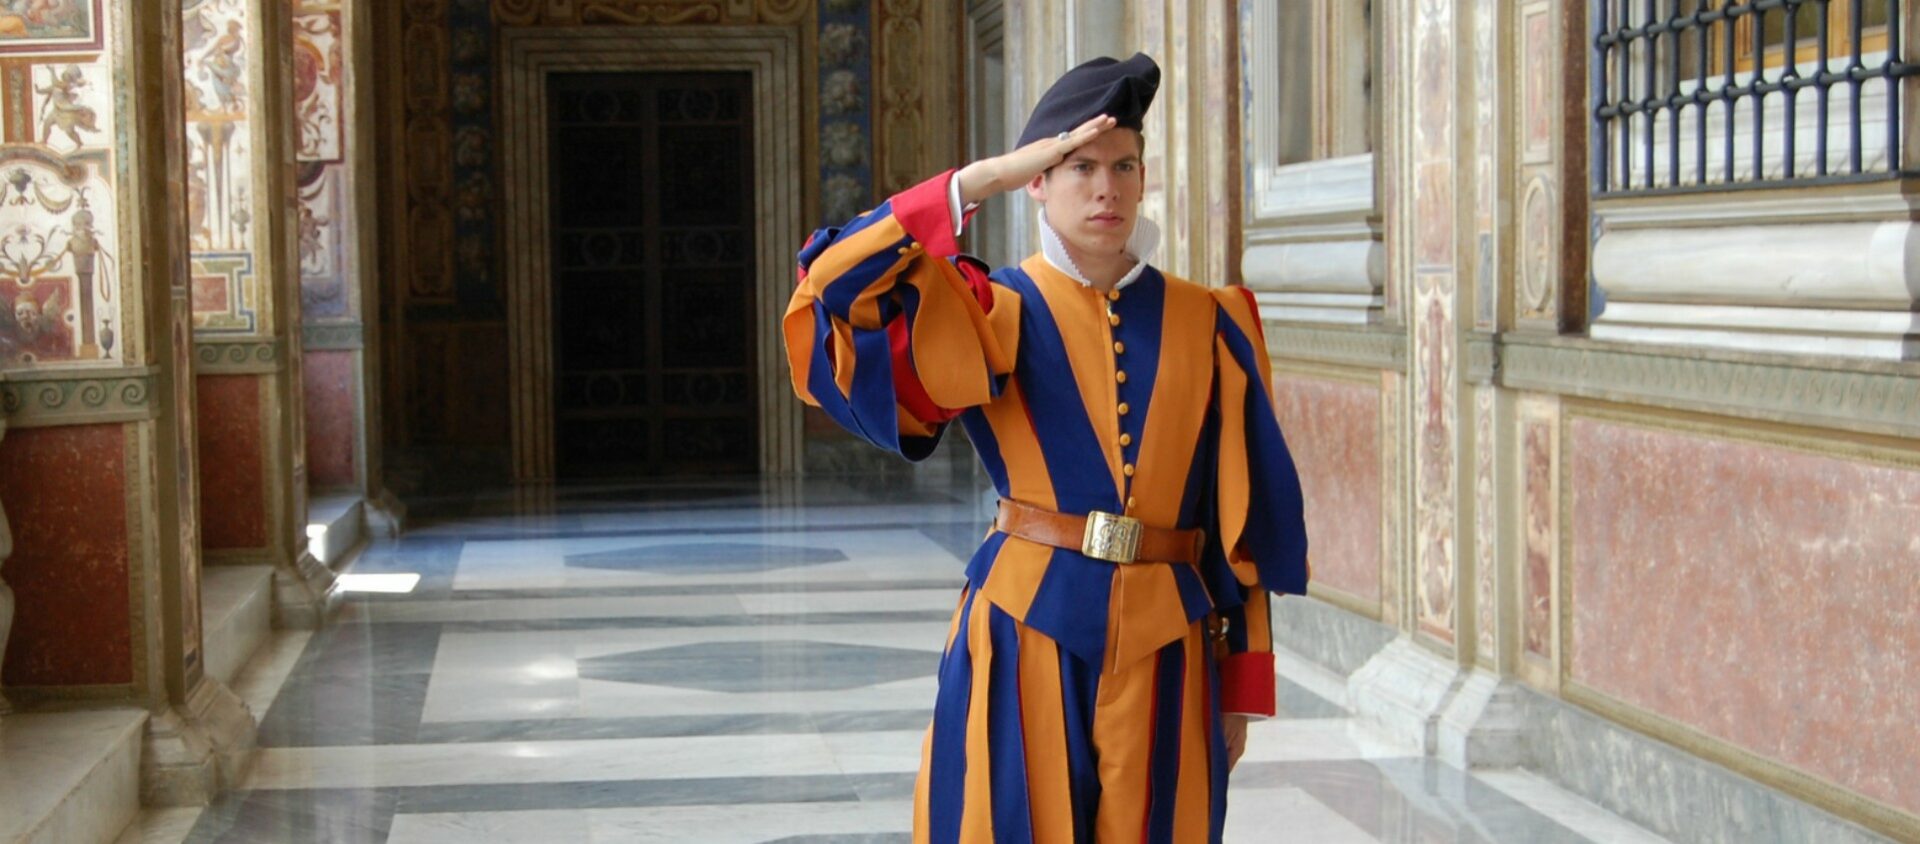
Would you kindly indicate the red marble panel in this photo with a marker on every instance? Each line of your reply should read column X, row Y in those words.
column 1333, row 428
column 1537, row 611
column 1762, row 595
column 65, row 490
column 233, row 480
column 332, row 404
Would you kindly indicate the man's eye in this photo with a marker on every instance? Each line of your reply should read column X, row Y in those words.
column 1124, row 167
column 1083, row 167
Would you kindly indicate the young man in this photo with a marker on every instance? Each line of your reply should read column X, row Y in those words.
column 1112, row 640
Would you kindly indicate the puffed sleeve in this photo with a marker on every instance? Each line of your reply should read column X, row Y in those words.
column 890, row 331
column 1258, row 508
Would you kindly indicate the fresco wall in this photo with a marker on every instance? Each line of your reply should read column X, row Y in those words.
column 227, row 296
column 60, row 258
column 330, row 277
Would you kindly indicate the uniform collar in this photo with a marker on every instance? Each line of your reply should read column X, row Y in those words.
column 1141, row 246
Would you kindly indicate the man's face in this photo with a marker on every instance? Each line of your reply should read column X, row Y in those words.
column 27, row 315
column 1093, row 198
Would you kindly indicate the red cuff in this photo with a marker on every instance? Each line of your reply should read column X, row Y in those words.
column 1246, row 683
column 922, row 210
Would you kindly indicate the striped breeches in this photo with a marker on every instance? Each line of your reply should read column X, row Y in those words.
column 1032, row 744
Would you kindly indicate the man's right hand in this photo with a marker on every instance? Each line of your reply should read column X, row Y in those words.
column 990, row 177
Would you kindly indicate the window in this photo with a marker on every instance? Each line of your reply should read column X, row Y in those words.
column 1694, row 94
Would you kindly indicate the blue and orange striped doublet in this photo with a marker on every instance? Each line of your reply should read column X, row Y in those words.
column 1079, row 700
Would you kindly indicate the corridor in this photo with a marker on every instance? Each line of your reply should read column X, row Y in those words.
column 719, row 663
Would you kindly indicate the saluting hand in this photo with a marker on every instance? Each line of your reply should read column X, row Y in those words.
column 990, row 177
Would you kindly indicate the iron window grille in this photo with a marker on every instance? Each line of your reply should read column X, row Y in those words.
column 1687, row 94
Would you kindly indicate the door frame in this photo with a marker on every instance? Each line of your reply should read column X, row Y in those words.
column 771, row 56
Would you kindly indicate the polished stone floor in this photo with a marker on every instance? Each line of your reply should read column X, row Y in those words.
column 719, row 662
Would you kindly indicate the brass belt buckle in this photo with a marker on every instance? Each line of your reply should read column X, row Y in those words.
column 1111, row 537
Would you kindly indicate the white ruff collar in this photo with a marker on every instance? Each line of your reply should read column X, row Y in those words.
column 1141, row 246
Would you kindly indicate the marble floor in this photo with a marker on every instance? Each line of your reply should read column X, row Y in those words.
column 719, row 662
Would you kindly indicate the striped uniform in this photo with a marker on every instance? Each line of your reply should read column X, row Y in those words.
column 1079, row 700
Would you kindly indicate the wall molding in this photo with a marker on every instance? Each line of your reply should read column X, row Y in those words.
column 1368, row 348
column 239, row 357
column 70, row 397
column 333, row 336
column 1863, row 396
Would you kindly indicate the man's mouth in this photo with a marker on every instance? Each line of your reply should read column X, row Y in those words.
column 1107, row 219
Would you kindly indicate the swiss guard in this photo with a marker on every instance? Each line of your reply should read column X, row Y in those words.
column 1112, row 640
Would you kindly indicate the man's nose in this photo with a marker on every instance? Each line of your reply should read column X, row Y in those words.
column 1103, row 184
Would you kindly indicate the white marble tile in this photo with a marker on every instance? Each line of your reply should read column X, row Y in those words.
column 881, row 752
column 534, row 674
column 749, row 824
column 492, row 763
column 1322, row 739
column 526, row 827
column 1266, row 815
column 601, row 699
column 260, row 681
column 541, row 563
column 536, row 609
column 161, row 826
column 1567, row 809
column 801, row 603
column 1310, row 675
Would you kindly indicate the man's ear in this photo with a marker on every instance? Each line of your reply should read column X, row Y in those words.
column 1037, row 188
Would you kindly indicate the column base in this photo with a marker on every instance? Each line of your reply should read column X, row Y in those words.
column 305, row 598
column 386, row 515
column 1403, row 691
column 1484, row 725
column 192, row 753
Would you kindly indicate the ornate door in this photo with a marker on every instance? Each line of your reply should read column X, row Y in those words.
column 652, row 247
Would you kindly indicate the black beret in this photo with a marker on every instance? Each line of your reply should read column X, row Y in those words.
column 1121, row 90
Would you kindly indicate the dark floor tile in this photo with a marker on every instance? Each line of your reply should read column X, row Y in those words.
column 326, row 711
column 348, row 816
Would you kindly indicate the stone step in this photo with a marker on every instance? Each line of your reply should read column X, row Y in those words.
column 336, row 525
column 237, row 616
column 69, row 777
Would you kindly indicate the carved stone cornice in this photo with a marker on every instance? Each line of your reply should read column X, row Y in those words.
column 1372, row 348
column 238, row 357
column 347, row 336
column 76, row 397
column 1865, row 396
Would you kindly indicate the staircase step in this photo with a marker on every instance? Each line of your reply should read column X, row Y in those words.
column 336, row 524
column 238, row 616
column 69, row 777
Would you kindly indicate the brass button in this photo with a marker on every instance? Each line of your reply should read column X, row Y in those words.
column 1113, row 295
column 1113, row 319
column 1120, row 376
column 1130, row 502
column 1123, row 408
column 1119, row 348
column 1126, row 439
column 1128, row 469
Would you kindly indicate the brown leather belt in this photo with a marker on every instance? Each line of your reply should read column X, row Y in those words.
column 1102, row 536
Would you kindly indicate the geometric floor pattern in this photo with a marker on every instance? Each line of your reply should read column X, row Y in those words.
column 694, row 558
column 729, row 662
column 761, row 666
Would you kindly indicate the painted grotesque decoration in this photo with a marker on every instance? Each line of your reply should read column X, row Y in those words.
column 59, row 271
column 216, row 53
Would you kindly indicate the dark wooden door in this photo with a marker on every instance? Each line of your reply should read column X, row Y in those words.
column 652, row 239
